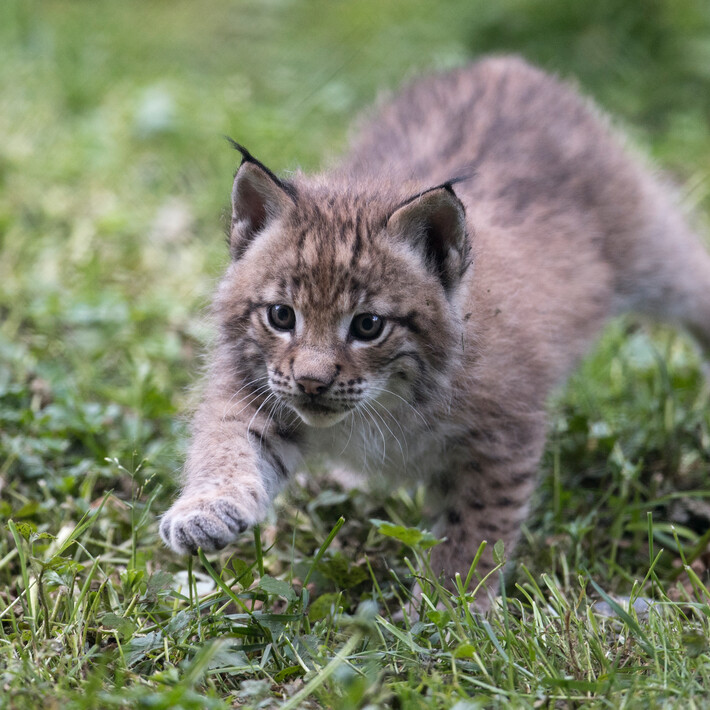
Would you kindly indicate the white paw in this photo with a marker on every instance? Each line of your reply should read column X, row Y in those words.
column 210, row 524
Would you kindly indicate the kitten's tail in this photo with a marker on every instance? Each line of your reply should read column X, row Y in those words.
column 667, row 272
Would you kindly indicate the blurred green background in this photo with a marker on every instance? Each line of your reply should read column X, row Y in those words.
column 114, row 173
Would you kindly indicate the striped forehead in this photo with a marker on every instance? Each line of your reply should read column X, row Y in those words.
column 335, row 261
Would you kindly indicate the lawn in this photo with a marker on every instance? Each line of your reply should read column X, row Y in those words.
column 114, row 181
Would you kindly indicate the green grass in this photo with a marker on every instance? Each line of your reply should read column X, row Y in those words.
column 113, row 180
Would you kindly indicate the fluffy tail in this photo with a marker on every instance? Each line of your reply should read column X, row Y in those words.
column 667, row 272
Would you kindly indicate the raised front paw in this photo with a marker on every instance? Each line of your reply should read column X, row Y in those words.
column 210, row 524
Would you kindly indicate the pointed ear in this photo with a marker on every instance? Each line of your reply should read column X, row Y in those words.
column 258, row 197
column 434, row 222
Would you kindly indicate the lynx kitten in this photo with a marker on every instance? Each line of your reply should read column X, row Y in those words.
column 408, row 312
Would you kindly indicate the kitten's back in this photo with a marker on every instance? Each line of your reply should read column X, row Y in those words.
column 562, row 211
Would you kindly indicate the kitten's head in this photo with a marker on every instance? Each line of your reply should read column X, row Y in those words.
column 341, row 298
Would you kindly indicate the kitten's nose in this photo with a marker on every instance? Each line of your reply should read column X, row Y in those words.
column 312, row 386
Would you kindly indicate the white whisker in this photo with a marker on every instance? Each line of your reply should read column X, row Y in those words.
column 352, row 425
column 364, row 404
column 383, row 390
column 399, row 443
column 231, row 399
column 254, row 396
column 258, row 410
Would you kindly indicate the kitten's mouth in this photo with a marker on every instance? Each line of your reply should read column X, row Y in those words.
column 319, row 415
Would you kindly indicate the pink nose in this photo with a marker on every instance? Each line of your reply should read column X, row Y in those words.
column 312, row 386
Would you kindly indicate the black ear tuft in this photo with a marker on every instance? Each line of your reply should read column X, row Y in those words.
column 434, row 222
column 258, row 197
column 247, row 157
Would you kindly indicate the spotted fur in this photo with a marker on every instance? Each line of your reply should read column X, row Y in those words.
column 491, row 218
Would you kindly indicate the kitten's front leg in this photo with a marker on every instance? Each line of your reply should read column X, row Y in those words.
column 486, row 496
column 235, row 466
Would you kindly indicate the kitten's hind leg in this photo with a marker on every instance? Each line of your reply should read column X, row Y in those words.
column 486, row 497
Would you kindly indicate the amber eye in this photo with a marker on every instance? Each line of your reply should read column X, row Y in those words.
column 282, row 317
column 366, row 326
